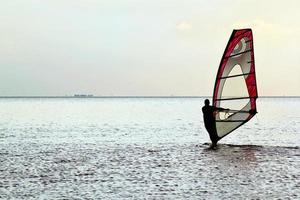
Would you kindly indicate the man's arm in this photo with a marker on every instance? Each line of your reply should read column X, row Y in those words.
column 221, row 109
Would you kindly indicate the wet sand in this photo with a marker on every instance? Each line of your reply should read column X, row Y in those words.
column 166, row 171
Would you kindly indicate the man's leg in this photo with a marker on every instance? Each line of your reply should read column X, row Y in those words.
column 213, row 136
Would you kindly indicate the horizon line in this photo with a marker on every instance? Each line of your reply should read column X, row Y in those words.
column 135, row 96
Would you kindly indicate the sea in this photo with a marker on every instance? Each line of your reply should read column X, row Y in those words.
column 144, row 148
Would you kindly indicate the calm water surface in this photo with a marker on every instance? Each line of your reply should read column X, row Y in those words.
column 118, row 148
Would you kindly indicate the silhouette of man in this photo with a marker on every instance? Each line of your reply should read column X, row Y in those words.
column 210, row 121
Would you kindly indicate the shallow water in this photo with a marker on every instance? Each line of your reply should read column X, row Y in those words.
column 144, row 148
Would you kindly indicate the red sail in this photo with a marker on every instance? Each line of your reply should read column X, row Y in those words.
column 235, row 86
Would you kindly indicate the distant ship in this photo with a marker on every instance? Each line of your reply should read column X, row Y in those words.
column 83, row 95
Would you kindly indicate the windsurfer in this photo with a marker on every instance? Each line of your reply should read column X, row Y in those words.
column 210, row 122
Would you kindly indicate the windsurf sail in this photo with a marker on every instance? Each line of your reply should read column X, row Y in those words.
column 235, row 87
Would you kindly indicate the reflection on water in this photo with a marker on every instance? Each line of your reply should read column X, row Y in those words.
column 129, row 120
column 237, row 155
column 144, row 148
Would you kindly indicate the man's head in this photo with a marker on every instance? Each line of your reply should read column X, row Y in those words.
column 206, row 102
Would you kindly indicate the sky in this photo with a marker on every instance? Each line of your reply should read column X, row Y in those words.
column 142, row 47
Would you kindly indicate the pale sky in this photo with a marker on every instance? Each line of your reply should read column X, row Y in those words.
column 142, row 47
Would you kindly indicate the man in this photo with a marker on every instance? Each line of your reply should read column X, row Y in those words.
column 210, row 121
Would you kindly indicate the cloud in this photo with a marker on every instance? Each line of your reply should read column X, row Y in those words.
column 184, row 26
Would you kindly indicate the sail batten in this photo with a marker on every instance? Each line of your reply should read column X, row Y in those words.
column 235, row 87
column 236, row 75
column 239, row 53
column 231, row 121
column 234, row 98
